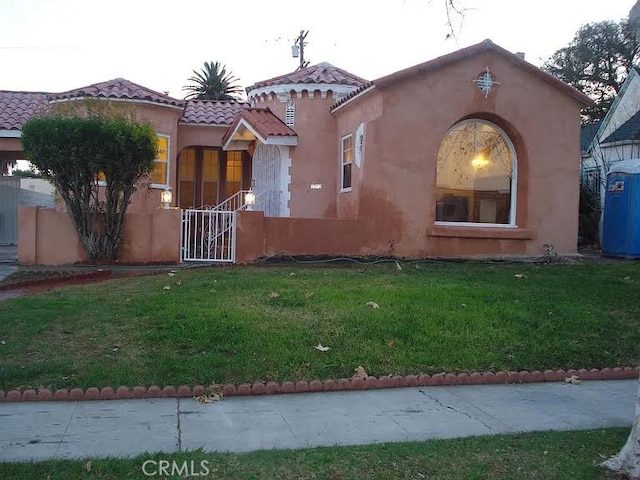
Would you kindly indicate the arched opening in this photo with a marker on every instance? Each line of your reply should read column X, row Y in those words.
column 207, row 176
column 476, row 176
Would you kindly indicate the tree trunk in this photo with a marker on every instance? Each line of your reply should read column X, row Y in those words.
column 628, row 460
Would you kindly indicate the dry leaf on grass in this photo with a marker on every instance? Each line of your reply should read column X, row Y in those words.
column 274, row 295
column 573, row 379
column 321, row 348
column 398, row 267
column 390, row 343
column 373, row 305
column 87, row 466
column 179, row 282
column 308, row 295
column 360, row 373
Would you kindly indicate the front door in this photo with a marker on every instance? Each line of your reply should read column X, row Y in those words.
column 266, row 178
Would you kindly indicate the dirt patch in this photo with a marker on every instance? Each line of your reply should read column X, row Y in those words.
column 24, row 278
column 27, row 282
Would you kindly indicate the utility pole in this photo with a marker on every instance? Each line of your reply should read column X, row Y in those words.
column 298, row 49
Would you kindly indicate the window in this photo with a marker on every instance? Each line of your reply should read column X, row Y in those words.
column 187, row 177
column 210, row 177
column 160, row 174
column 290, row 114
column 234, row 172
column 476, row 176
column 346, row 161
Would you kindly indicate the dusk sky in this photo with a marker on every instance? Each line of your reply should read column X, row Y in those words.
column 57, row 45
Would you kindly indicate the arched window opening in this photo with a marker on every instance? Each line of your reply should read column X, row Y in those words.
column 476, row 176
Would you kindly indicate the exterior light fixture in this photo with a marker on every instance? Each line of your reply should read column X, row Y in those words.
column 250, row 199
column 165, row 198
column 479, row 161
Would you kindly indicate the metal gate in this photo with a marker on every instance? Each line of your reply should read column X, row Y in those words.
column 266, row 180
column 9, row 201
column 208, row 235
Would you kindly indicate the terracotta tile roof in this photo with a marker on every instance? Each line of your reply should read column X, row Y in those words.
column 356, row 92
column 321, row 73
column 263, row 121
column 120, row 89
column 17, row 107
column 266, row 123
column 211, row 112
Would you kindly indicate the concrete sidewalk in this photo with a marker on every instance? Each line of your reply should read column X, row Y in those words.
column 38, row 431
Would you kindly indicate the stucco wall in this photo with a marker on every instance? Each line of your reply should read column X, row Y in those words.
column 348, row 120
column 396, row 194
column 204, row 136
column 260, row 236
column 165, row 122
column 313, row 160
column 47, row 237
column 10, row 144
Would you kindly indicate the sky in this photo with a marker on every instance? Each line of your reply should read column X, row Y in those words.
column 58, row 45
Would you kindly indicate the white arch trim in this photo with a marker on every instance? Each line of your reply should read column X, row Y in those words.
column 514, row 180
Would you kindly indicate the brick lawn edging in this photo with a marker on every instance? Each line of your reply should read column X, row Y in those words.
column 260, row 388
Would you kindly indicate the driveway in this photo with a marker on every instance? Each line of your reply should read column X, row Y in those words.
column 8, row 260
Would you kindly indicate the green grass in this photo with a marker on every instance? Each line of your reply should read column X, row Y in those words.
column 548, row 455
column 221, row 324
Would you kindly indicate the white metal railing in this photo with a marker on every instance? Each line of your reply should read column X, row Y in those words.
column 234, row 203
column 208, row 235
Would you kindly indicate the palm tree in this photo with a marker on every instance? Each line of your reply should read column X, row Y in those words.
column 213, row 83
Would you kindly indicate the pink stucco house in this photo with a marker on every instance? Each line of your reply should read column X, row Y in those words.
column 476, row 152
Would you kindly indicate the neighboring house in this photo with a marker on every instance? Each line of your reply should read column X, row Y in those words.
column 467, row 154
column 14, row 193
column 38, row 185
column 615, row 138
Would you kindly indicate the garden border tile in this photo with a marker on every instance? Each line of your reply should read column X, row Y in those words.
column 302, row 386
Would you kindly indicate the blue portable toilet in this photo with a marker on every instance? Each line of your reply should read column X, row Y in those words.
column 621, row 220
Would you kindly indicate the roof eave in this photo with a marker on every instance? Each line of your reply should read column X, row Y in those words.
column 10, row 133
column 196, row 124
column 473, row 50
column 124, row 100
column 366, row 89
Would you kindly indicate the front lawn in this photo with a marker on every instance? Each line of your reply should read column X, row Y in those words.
column 547, row 455
column 241, row 324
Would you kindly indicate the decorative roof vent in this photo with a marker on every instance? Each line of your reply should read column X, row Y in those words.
column 290, row 114
column 485, row 82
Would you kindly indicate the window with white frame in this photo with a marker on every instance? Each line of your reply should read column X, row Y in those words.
column 476, row 176
column 346, row 162
column 160, row 174
column 290, row 114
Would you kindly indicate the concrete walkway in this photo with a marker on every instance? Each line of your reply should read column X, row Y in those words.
column 8, row 259
column 38, row 431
